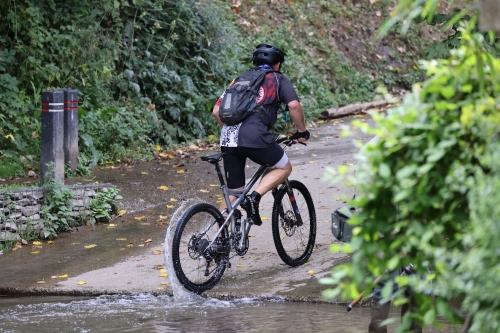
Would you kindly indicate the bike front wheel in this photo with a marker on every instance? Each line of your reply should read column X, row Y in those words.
column 197, row 264
column 294, row 242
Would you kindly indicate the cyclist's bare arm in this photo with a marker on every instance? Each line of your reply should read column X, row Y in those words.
column 297, row 115
column 215, row 113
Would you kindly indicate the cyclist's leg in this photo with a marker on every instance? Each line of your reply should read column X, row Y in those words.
column 276, row 158
column 234, row 169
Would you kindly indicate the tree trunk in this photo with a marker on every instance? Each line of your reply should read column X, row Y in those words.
column 352, row 109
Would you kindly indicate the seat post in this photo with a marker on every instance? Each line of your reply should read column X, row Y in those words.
column 219, row 174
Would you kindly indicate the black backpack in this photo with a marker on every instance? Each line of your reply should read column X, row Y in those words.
column 239, row 101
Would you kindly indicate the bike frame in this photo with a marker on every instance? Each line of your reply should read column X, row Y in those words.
column 240, row 195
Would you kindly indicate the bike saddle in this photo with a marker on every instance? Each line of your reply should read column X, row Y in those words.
column 213, row 158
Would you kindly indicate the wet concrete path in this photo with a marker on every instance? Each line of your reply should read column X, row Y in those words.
column 128, row 256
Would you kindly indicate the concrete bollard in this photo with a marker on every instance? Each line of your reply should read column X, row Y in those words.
column 52, row 136
column 71, row 128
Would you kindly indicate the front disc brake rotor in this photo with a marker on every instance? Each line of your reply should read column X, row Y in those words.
column 289, row 223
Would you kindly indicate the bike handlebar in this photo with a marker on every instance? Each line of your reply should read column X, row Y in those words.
column 287, row 140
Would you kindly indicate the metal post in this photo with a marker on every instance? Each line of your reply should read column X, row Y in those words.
column 71, row 128
column 52, row 156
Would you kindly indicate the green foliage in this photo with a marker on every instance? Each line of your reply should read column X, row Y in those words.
column 111, row 134
column 408, row 12
column 174, row 51
column 419, row 190
column 144, row 71
column 56, row 213
column 104, row 205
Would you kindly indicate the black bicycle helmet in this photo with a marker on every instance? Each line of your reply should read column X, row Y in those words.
column 267, row 54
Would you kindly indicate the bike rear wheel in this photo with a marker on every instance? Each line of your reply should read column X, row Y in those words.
column 197, row 265
column 294, row 243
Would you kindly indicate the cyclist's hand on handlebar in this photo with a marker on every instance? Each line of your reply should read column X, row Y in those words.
column 300, row 137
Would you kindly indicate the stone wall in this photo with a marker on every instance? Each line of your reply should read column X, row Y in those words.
column 20, row 209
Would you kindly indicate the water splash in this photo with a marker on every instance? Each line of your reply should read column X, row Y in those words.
column 181, row 294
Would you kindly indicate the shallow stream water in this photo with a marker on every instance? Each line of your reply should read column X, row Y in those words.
column 185, row 312
column 147, row 313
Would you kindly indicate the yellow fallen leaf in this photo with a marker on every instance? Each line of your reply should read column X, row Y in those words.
column 157, row 147
column 50, row 242
column 90, row 246
column 121, row 239
column 160, row 288
column 164, row 282
column 295, row 169
column 163, row 154
column 311, row 272
column 180, row 183
column 96, row 182
column 121, row 212
column 214, row 185
column 144, row 173
column 41, row 282
column 145, row 223
column 37, row 243
column 310, row 162
column 314, row 155
column 170, row 206
column 163, row 188
column 111, row 226
column 240, row 266
column 82, row 282
column 173, row 200
column 164, row 275
column 139, row 217
column 157, row 251
column 62, row 276
column 180, row 171
column 130, row 245
column 53, row 277
column 75, row 243
column 148, row 240
column 163, row 270
column 34, row 252
column 264, row 218
column 204, row 191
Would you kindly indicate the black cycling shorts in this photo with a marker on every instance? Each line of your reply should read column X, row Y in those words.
column 236, row 157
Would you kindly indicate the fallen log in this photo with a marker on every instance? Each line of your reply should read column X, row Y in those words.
column 352, row 109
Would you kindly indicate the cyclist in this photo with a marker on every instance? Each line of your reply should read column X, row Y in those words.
column 252, row 139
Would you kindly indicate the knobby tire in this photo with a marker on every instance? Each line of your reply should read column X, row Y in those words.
column 191, row 271
column 294, row 243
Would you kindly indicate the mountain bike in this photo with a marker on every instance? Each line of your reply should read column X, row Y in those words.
column 205, row 238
